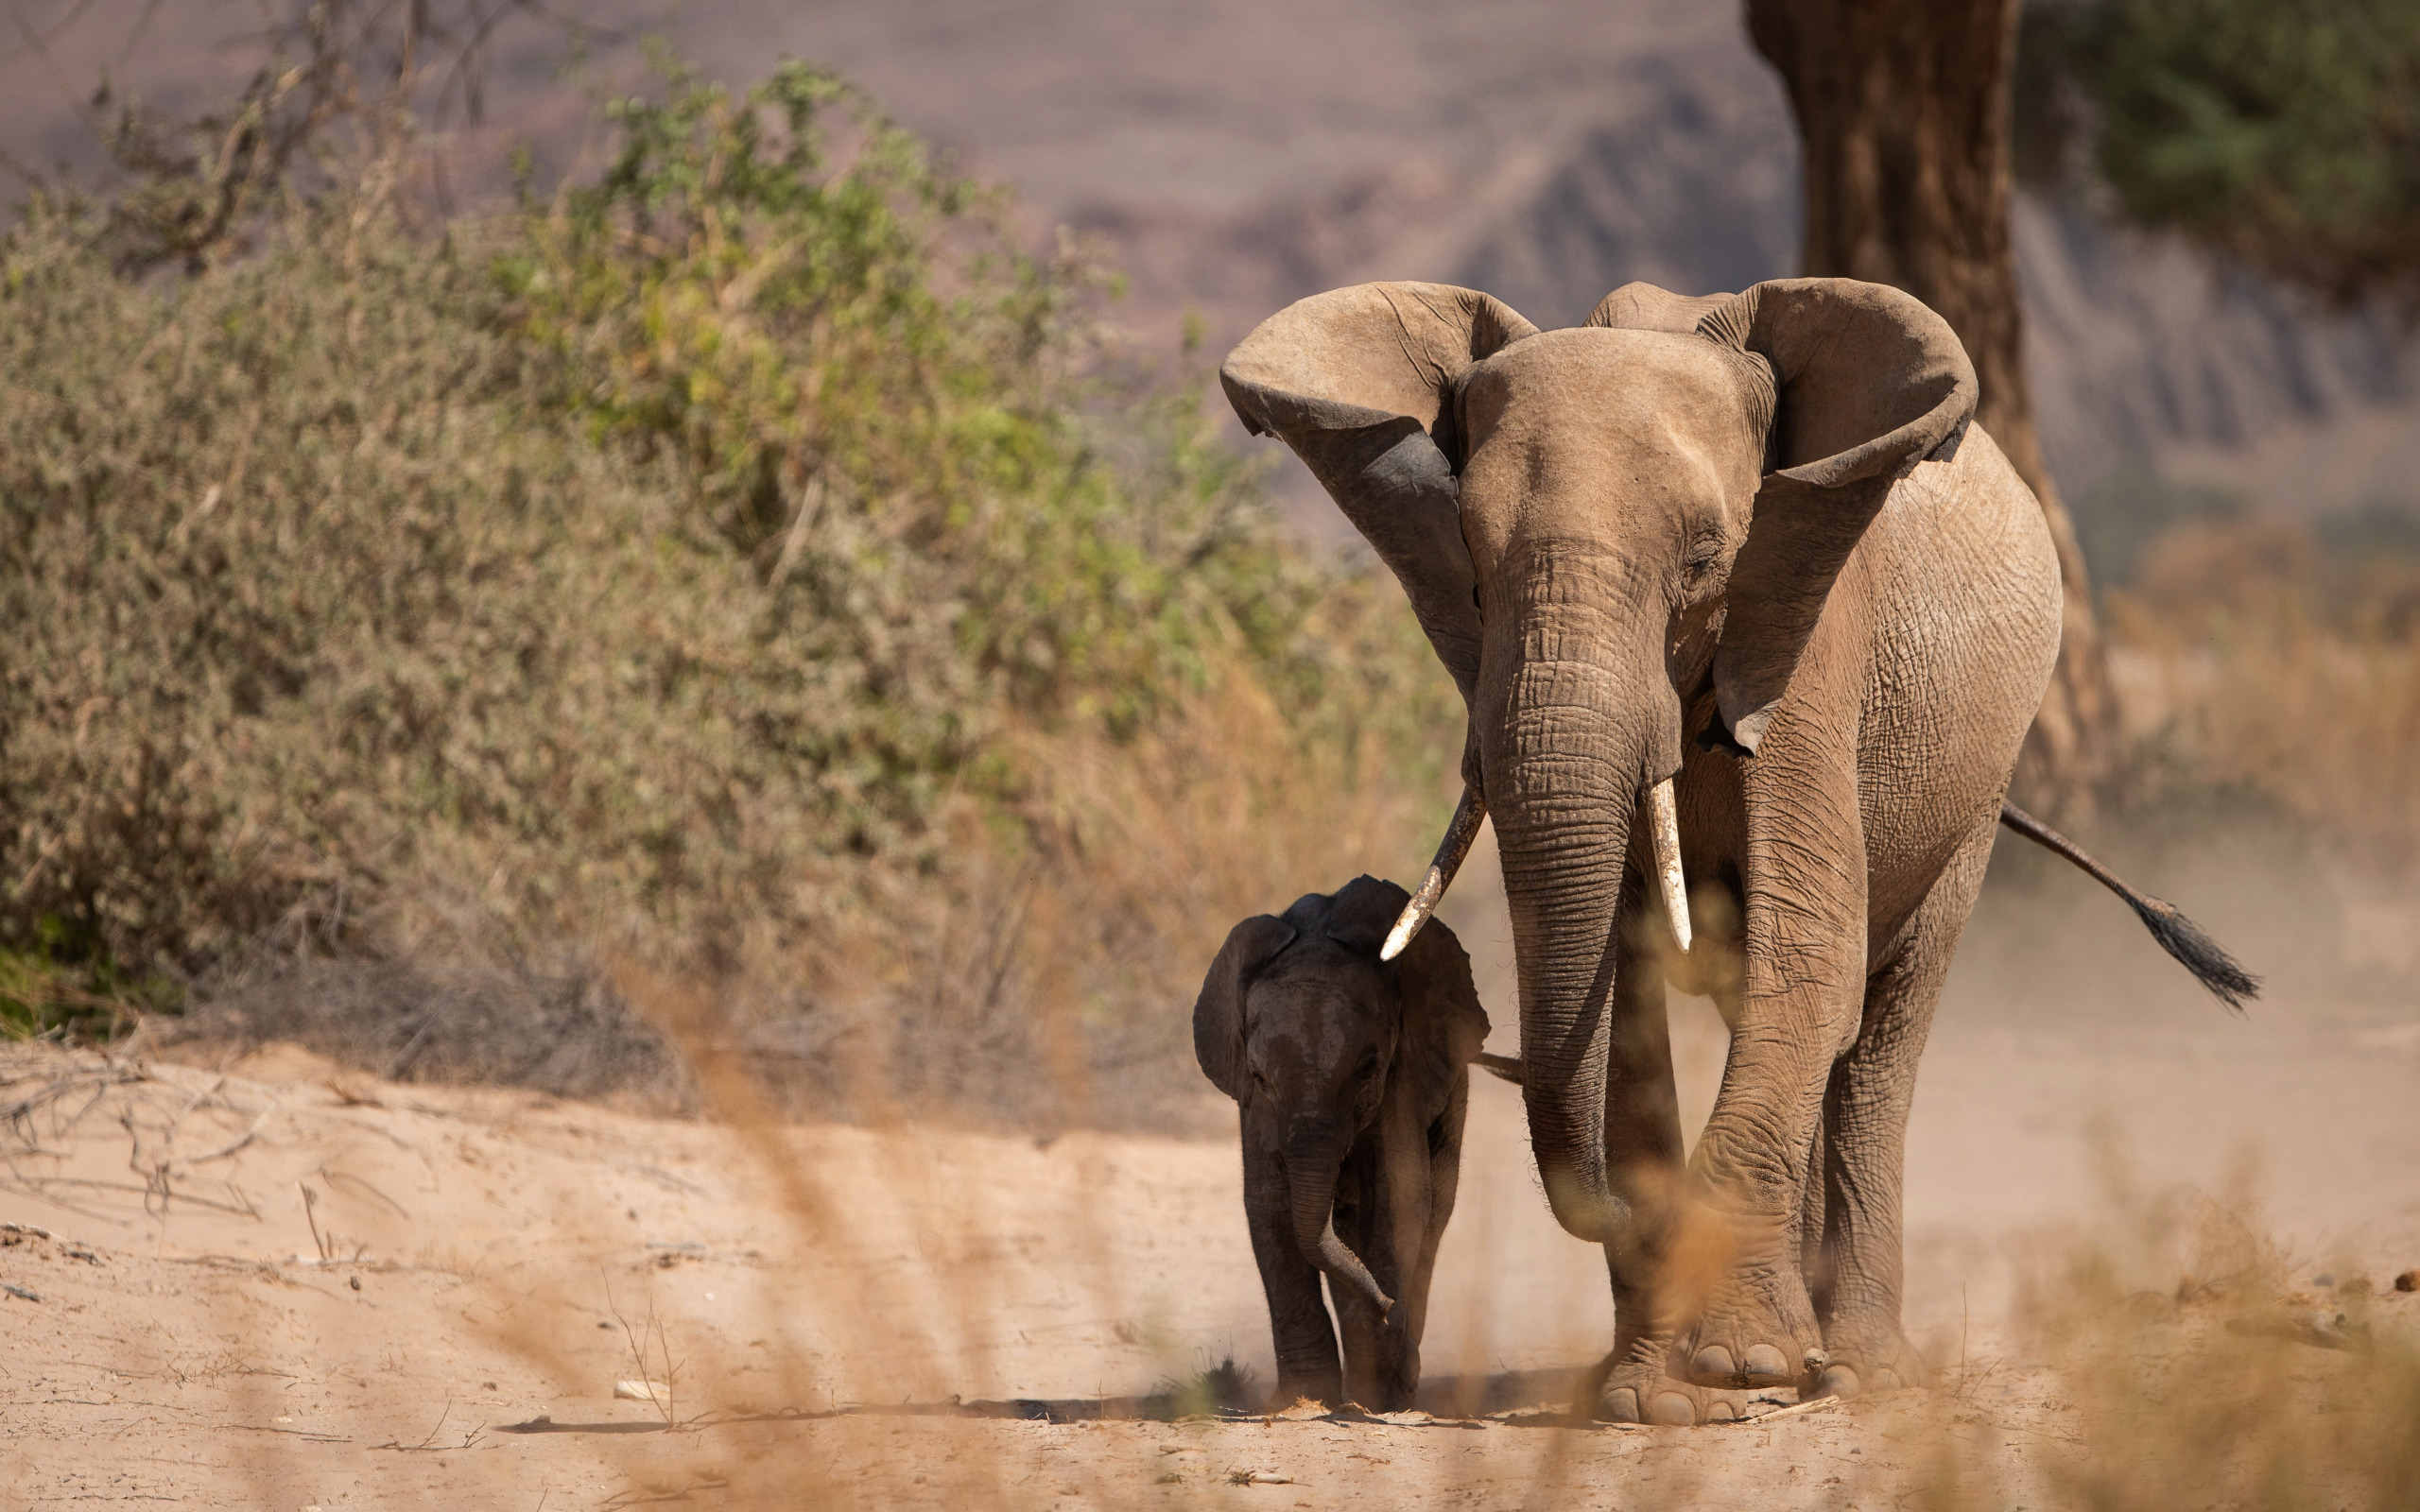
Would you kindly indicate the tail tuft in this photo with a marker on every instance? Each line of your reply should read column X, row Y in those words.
column 2177, row 934
column 2197, row 951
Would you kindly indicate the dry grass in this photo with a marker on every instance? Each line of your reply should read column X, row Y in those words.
column 2182, row 1367
column 1038, row 982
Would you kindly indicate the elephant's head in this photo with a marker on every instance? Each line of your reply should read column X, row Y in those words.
column 1592, row 526
column 1301, row 1024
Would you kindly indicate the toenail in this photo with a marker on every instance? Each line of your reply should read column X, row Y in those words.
column 1713, row 1363
column 1621, row 1406
column 1766, row 1365
column 1721, row 1412
column 1673, row 1410
column 1838, row 1381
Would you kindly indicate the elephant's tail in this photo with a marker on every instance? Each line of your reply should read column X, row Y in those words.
column 2177, row 934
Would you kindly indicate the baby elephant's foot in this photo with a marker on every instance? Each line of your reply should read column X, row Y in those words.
column 1863, row 1360
column 1759, row 1333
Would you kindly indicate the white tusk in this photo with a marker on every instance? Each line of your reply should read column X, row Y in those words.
column 1459, row 831
column 1665, row 826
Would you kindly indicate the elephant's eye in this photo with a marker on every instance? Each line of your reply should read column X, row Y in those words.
column 1369, row 1066
column 1703, row 553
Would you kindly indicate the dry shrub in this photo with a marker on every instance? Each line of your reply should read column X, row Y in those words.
column 1047, row 977
column 2251, row 660
column 446, row 1019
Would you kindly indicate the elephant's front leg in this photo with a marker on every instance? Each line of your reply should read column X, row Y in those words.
column 1642, row 1147
column 1643, row 1380
column 1418, row 1166
column 1298, row 1321
column 1728, row 1270
column 1736, row 1256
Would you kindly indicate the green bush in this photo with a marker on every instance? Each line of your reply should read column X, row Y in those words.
column 2284, row 132
column 644, row 568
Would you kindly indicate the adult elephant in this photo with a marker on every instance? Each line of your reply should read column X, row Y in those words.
column 1738, row 567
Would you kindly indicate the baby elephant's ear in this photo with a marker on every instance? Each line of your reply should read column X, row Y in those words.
column 1443, row 1025
column 1218, row 1012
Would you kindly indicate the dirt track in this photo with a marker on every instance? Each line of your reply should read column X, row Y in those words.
column 471, row 1260
column 213, row 1359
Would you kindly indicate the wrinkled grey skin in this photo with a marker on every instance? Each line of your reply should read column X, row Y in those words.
column 1353, row 1077
column 1753, row 540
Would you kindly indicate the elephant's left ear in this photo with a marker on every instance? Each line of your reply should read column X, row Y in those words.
column 1869, row 381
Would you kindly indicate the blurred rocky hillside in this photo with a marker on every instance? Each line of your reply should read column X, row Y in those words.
column 1237, row 154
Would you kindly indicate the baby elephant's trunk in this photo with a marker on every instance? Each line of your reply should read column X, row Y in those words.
column 1312, row 1166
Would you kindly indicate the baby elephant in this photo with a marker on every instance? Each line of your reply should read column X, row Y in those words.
column 1353, row 1076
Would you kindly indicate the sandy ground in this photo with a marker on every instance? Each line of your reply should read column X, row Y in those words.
column 278, row 1284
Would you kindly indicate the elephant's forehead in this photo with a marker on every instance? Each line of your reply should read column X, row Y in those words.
column 1319, row 999
column 1568, row 425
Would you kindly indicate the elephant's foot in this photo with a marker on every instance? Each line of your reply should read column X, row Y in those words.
column 1633, row 1387
column 1328, row 1391
column 1757, row 1331
column 1867, row 1355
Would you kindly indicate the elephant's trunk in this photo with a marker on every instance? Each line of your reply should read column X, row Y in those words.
column 1312, row 1161
column 1582, row 739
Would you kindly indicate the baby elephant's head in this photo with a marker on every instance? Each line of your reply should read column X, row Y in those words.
column 1301, row 1024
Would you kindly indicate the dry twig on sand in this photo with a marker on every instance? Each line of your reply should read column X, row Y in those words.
column 48, row 1092
column 650, row 1333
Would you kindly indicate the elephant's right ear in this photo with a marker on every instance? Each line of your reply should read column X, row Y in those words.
column 1359, row 382
column 1218, row 1012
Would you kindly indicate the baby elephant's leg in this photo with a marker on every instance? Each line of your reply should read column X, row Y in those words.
column 1306, row 1343
column 1434, row 1159
column 1381, row 1360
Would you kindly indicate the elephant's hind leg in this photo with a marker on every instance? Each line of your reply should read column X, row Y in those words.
column 1862, row 1153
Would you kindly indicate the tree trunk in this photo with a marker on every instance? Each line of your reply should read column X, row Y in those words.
column 1903, row 108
